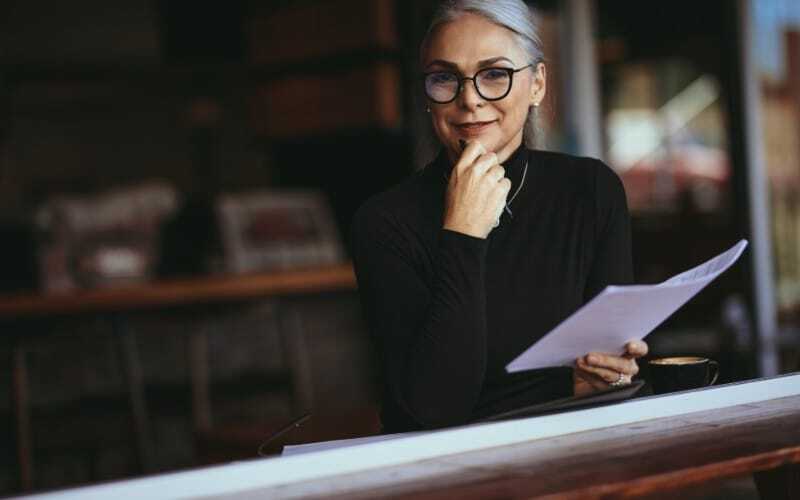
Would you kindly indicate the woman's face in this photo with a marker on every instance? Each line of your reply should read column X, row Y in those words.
column 465, row 46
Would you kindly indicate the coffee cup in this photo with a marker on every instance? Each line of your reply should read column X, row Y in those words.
column 681, row 373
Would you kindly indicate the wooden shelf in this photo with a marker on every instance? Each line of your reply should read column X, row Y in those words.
column 298, row 106
column 321, row 29
column 182, row 292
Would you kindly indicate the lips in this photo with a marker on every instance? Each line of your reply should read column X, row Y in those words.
column 473, row 128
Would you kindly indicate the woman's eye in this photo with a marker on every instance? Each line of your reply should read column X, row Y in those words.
column 440, row 78
column 495, row 74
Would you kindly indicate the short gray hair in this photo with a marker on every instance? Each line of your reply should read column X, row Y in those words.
column 515, row 16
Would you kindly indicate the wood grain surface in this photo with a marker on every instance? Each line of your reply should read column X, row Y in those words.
column 636, row 460
column 640, row 459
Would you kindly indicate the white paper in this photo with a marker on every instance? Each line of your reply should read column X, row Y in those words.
column 300, row 449
column 620, row 314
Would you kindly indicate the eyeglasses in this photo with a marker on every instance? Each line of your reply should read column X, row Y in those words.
column 492, row 84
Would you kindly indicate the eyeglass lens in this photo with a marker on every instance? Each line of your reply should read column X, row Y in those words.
column 491, row 84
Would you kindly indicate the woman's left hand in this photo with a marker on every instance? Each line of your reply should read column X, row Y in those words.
column 597, row 371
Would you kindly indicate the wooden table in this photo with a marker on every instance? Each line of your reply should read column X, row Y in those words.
column 17, row 311
column 655, row 445
column 670, row 455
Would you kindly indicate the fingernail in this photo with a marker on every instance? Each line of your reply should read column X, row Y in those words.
column 592, row 359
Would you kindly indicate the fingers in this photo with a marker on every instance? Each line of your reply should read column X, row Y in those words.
column 471, row 153
column 601, row 370
column 607, row 366
column 499, row 193
column 611, row 362
column 495, row 173
column 594, row 381
column 604, row 374
column 636, row 349
column 477, row 192
column 498, row 196
column 483, row 164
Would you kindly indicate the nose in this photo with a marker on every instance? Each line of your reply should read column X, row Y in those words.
column 469, row 98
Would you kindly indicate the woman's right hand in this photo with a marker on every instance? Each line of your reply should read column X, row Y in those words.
column 476, row 192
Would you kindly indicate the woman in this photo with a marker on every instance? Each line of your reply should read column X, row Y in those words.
column 469, row 262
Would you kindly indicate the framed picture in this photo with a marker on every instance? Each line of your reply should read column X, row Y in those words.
column 269, row 230
column 108, row 239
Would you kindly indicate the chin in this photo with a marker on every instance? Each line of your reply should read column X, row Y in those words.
column 491, row 143
column 488, row 141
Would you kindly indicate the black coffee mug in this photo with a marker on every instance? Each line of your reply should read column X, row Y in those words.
column 681, row 373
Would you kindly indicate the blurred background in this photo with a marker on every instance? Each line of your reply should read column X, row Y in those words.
column 177, row 180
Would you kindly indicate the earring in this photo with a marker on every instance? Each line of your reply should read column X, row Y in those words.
column 428, row 109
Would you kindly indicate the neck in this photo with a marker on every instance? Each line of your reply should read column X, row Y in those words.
column 508, row 149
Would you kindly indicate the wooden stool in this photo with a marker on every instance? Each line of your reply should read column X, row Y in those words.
column 126, row 340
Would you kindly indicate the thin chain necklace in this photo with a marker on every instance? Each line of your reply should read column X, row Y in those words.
column 519, row 188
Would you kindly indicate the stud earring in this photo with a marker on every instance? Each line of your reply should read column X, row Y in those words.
column 428, row 109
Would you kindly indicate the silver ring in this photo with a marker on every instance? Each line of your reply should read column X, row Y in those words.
column 496, row 222
column 622, row 380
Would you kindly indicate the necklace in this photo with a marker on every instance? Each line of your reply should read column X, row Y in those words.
column 507, row 208
column 519, row 188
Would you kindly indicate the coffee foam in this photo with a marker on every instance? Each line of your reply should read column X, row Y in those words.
column 681, row 360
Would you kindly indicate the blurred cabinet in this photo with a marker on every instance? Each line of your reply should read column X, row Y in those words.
column 325, row 67
column 361, row 98
column 320, row 29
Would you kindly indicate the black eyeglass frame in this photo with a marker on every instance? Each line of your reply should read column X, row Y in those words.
column 462, row 79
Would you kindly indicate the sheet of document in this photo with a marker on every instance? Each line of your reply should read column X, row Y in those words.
column 619, row 314
column 300, row 449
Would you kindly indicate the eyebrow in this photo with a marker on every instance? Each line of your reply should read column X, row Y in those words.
column 485, row 62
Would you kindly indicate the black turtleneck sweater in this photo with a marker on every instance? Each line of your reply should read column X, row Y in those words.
column 448, row 311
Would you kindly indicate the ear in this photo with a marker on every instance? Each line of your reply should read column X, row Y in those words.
column 538, row 84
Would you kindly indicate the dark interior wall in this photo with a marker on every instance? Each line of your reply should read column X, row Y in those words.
column 91, row 134
column 48, row 32
column 102, row 94
column 682, row 28
column 69, row 35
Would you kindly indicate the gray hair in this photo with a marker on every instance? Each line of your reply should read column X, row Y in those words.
column 515, row 16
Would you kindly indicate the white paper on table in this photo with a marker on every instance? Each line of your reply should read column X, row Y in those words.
column 620, row 314
column 299, row 449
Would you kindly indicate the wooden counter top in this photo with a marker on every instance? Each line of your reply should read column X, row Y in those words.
column 204, row 290
column 661, row 445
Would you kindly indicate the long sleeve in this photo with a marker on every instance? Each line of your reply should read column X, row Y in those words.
column 431, row 333
column 612, row 263
column 448, row 312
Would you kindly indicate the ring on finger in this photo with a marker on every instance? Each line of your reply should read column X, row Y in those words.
column 621, row 380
